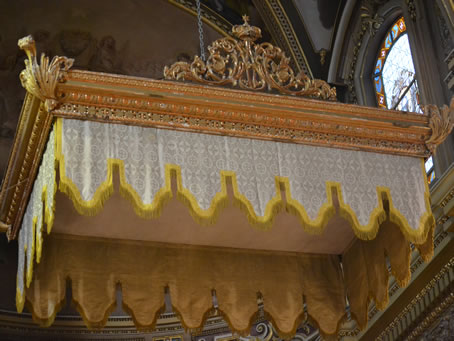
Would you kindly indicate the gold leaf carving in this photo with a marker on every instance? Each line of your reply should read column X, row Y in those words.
column 40, row 79
column 242, row 63
column 441, row 122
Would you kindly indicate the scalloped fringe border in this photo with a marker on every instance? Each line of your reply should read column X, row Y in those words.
column 97, row 325
column 380, row 304
column 220, row 200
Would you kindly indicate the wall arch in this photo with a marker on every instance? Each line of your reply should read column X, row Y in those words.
column 386, row 16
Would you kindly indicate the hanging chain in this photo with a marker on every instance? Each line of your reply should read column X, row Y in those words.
column 199, row 23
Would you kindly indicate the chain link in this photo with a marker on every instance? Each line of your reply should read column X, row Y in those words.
column 199, row 23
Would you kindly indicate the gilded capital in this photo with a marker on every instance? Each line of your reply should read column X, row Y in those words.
column 441, row 121
column 41, row 79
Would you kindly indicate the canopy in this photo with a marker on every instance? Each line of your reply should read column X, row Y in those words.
column 237, row 199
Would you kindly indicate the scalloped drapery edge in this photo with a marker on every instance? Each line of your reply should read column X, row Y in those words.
column 400, row 271
column 99, row 324
column 220, row 200
column 402, row 277
column 265, row 222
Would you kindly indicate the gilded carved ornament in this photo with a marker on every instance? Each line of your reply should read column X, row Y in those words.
column 41, row 79
column 441, row 121
column 242, row 63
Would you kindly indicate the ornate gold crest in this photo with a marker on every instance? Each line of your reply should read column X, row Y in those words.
column 41, row 79
column 441, row 121
column 242, row 63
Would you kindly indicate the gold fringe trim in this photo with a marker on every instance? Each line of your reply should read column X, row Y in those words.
column 45, row 322
column 282, row 334
column 141, row 327
column 37, row 243
column 328, row 336
column 243, row 332
column 95, row 325
column 29, row 260
column 20, row 298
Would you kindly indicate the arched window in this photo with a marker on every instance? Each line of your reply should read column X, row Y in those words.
column 395, row 78
column 395, row 81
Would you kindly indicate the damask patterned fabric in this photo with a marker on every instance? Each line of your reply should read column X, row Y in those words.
column 40, row 210
column 256, row 167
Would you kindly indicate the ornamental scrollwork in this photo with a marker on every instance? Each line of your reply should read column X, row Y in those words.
column 41, row 79
column 242, row 63
column 441, row 121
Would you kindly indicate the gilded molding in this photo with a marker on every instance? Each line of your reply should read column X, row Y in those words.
column 28, row 169
column 241, row 121
column 438, row 283
column 41, row 79
column 242, row 63
column 226, row 111
column 441, row 121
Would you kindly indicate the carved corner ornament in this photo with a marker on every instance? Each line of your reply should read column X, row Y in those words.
column 441, row 121
column 242, row 63
column 41, row 79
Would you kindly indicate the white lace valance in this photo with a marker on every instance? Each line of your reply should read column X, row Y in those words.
column 40, row 210
column 146, row 158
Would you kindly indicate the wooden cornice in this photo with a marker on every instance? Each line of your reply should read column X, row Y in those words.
column 226, row 111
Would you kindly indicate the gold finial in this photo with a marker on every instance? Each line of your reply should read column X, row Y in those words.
column 28, row 45
column 246, row 32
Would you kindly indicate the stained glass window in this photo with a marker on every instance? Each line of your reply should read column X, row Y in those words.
column 394, row 76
